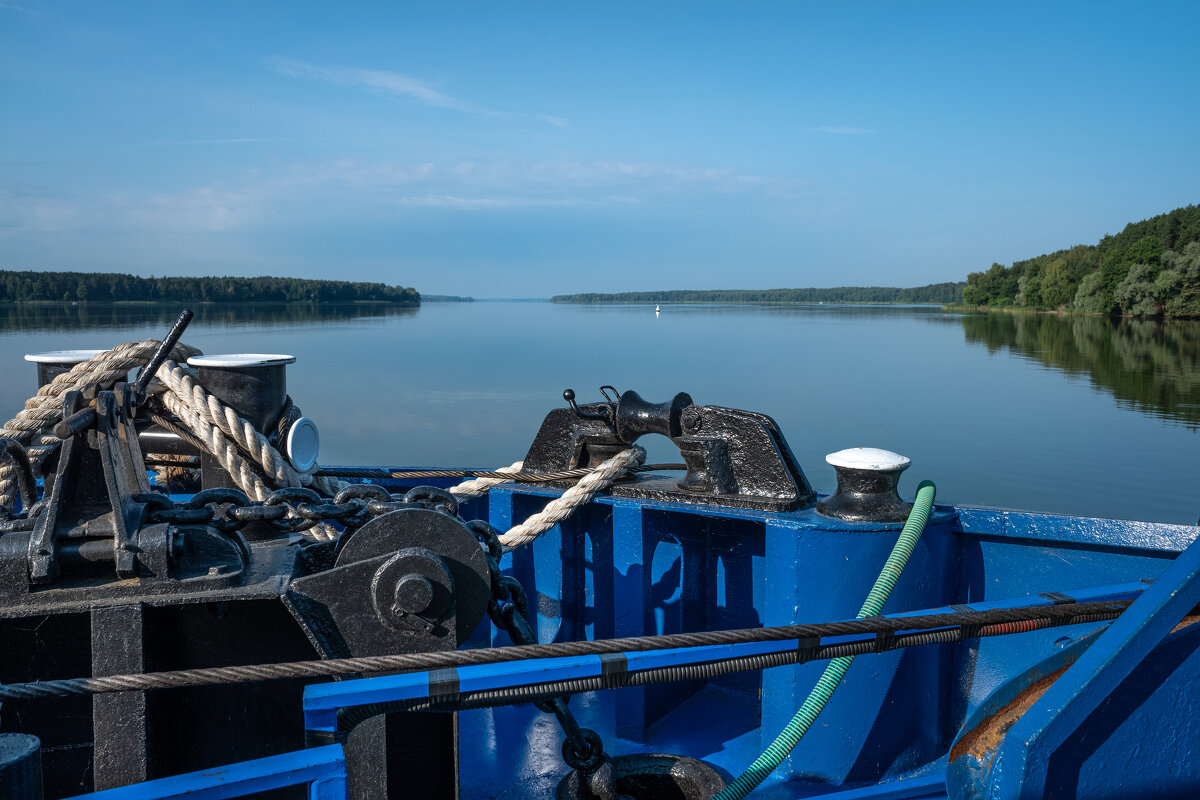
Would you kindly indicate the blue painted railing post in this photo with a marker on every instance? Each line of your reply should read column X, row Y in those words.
column 334, row 788
column 323, row 769
column 630, row 603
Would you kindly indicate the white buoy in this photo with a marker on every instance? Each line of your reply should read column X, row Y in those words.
column 657, row 309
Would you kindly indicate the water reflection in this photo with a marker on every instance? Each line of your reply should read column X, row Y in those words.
column 1151, row 366
column 91, row 316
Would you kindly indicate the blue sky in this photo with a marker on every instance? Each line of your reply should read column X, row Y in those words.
column 524, row 150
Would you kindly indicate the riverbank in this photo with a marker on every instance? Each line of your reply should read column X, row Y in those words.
column 931, row 294
column 1067, row 312
column 24, row 286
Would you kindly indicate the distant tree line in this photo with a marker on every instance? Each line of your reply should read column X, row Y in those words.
column 938, row 293
column 106, row 287
column 1152, row 268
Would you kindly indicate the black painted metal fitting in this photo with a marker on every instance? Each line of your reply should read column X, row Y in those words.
column 20, row 766
column 637, row 417
column 252, row 384
column 866, row 486
column 643, row 776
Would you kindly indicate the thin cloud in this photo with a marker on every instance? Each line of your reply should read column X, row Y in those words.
column 395, row 84
column 274, row 196
column 843, row 130
column 469, row 178
column 19, row 9
column 181, row 142
column 485, row 203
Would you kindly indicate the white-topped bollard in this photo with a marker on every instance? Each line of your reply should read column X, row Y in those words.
column 55, row 362
column 866, row 486
column 255, row 385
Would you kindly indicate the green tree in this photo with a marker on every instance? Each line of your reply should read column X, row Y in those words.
column 1089, row 298
column 1182, row 274
column 1058, row 285
column 1029, row 289
column 1135, row 294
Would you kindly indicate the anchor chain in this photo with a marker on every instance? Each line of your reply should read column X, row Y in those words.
column 291, row 509
column 508, row 608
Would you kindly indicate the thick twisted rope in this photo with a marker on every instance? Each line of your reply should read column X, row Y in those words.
column 480, row 486
column 562, row 507
column 581, row 493
column 226, row 435
column 44, row 409
column 218, row 426
column 230, row 439
column 181, row 382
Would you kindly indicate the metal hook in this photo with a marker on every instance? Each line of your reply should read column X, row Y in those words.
column 614, row 391
column 569, row 396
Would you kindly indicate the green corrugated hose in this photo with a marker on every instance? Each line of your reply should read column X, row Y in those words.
column 787, row 739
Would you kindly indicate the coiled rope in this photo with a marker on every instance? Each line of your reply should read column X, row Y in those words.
column 244, row 452
column 224, row 433
column 43, row 410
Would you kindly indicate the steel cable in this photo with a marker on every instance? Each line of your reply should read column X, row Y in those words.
column 1057, row 614
column 516, row 477
column 533, row 693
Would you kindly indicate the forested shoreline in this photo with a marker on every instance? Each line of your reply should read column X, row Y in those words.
column 1150, row 269
column 934, row 293
column 108, row 287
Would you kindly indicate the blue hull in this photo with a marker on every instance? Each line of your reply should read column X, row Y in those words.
column 1086, row 710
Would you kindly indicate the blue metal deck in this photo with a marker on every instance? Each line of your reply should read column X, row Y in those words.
column 622, row 567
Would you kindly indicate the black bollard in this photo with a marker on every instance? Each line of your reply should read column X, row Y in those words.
column 54, row 363
column 20, row 767
column 254, row 385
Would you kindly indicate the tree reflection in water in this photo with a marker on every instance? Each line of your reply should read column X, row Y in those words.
column 92, row 316
column 1152, row 366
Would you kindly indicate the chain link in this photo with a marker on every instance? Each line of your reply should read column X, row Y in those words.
column 508, row 608
column 294, row 509
column 291, row 509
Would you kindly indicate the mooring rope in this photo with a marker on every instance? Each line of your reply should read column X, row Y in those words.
column 480, row 486
column 515, row 473
column 44, row 409
column 580, row 494
column 246, row 454
column 210, row 411
column 225, row 434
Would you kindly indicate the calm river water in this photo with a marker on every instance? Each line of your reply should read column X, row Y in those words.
column 1074, row 415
